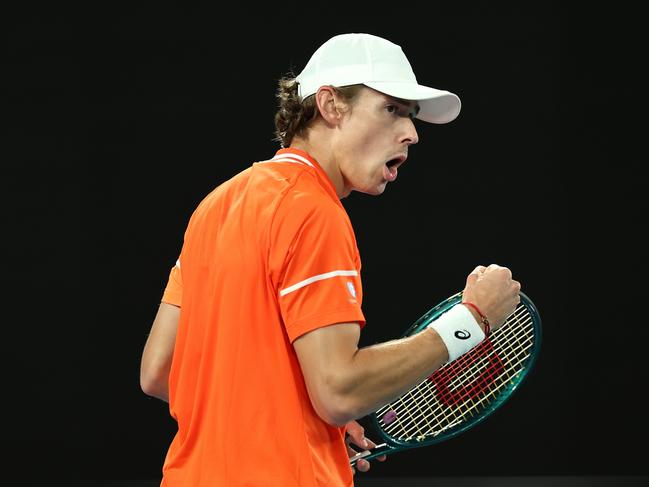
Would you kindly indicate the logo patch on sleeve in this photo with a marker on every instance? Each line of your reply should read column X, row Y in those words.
column 351, row 289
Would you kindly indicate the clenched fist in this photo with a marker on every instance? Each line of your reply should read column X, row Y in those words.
column 493, row 291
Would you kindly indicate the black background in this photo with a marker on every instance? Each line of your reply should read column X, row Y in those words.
column 119, row 124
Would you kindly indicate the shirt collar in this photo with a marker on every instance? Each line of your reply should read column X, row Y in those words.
column 300, row 156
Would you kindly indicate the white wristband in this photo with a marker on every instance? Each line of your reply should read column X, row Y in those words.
column 459, row 331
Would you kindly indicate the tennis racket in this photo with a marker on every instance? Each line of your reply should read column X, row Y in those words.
column 461, row 393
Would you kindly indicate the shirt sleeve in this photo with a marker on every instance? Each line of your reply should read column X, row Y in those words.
column 173, row 293
column 320, row 282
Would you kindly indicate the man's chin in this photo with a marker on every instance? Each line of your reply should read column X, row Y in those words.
column 374, row 190
column 378, row 190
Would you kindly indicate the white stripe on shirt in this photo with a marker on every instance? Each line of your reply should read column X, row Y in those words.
column 293, row 156
column 319, row 277
column 283, row 159
column 295, row 159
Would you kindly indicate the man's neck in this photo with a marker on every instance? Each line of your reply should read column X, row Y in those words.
column 323, row 155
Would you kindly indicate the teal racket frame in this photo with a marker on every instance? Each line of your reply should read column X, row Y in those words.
column 393, row 445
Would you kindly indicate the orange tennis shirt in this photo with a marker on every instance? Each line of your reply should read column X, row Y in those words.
column 267, row 256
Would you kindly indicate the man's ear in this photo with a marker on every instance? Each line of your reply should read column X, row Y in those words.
column 329, row 105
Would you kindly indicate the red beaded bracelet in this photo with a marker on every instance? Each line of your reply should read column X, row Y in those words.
column 484, row 319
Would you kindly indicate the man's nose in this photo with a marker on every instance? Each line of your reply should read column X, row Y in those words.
column 410, row 136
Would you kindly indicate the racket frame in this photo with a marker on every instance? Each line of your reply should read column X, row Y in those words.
column 394, row 445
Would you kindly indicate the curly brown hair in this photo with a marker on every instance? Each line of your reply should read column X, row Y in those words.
column 295, row 115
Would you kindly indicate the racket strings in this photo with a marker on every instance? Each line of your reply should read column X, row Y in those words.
column 475, row 403
column 458, row 364
column 436, row 419
column 419, row 413
column 446, row 416
column 442, row 415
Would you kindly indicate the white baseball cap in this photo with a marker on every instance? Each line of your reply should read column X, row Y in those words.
column 350, row 59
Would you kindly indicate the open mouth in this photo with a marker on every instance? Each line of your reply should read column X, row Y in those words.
column 393, row 162
column 390, row 169
column 396, row 162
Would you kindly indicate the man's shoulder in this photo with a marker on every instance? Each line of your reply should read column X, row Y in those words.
column 296, row 185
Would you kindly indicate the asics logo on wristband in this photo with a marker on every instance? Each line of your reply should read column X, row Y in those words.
column 459, row 331
column 462, row 334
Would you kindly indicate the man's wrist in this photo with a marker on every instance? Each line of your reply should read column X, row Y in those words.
column 476, row 315
column 459, row 330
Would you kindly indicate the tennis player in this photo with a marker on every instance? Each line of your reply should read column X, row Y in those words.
column 255, row 343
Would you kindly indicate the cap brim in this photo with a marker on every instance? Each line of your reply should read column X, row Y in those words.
column 435, row 106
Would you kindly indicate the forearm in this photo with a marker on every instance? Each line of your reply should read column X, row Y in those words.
column 158, row 352
column 380, row 373
column 346, row 383
column 157, row 385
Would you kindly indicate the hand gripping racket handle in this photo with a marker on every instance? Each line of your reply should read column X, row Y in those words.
column 377, row 451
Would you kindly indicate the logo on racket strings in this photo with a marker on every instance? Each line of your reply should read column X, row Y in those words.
column 462, row 334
